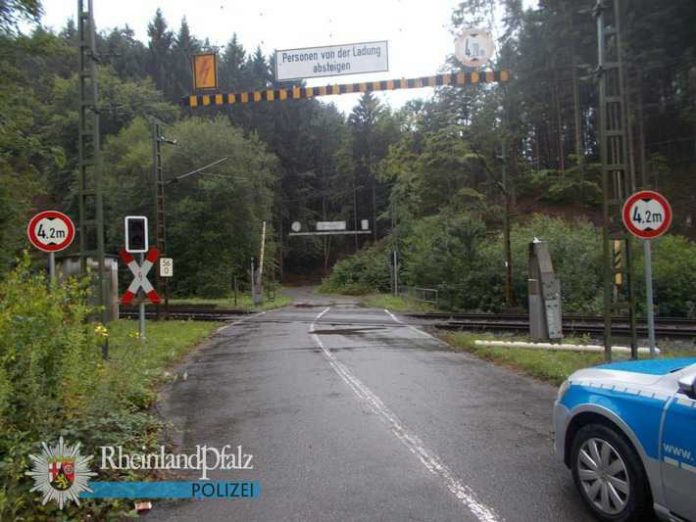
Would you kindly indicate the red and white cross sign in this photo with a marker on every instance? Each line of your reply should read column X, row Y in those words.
column 140, row 279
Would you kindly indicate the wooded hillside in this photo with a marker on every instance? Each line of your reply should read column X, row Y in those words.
column 433, row 160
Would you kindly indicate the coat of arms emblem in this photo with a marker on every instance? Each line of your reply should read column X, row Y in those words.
column 60, row 473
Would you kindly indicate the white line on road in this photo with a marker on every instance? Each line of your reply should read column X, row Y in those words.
column 321, row 314
column 237, row 322
column 414, row 329
column 396, row 319
column 415, row 445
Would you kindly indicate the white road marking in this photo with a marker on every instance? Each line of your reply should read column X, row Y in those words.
column 246, row 318
column 396, row 319
column 415, row 445
column 321, row 314
column 414, row 329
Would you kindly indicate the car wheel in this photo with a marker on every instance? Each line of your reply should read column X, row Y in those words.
column 609, row 475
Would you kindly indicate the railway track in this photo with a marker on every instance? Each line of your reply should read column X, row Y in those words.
column 572, row 324
column 579, row 324
column 186, row 313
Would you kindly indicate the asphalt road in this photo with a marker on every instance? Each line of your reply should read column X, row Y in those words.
column 366, row 418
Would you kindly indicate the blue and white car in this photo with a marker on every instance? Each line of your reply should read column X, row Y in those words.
column 627, row 431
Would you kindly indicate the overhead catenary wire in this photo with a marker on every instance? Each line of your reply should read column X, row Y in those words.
column 191, row 173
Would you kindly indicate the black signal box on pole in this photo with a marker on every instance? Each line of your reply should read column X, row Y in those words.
column 136, row 234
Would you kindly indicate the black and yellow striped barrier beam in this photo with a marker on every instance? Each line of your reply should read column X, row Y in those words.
column 299, row 93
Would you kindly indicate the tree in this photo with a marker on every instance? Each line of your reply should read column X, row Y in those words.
column 373, row 129
column 259, row 70
column 127, row 55
column 160, row 44
column 121, row 101
column 185, row 45
column 12, row 11
column 213, row 218
column 27, row 156
column 232, row 66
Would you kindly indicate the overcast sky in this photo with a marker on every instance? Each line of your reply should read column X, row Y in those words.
column 418, row 31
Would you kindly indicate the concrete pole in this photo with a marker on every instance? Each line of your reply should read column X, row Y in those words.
column 258, row 287
column 355, row 214
column 253, row 292
column 506, row 230
column 395, row 239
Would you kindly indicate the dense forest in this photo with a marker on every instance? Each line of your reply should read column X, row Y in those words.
column 432, row 177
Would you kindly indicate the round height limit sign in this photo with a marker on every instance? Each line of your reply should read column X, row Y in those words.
column 51, row 231
column 647, row 214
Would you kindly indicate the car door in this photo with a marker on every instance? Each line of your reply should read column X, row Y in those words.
column 678, row 452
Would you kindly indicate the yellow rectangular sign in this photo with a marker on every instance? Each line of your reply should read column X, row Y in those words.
column 205, row 71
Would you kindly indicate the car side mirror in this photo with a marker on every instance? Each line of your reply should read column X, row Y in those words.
column 687, row 386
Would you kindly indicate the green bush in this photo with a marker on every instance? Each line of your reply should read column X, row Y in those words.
column 455, row 254
column 674, row 276
column 366, row 272
column 53, row 382
column 49, row 364
column 575, row 186
column 49, row 355
column 576, row 254
column 443, row 252
column 467, row 265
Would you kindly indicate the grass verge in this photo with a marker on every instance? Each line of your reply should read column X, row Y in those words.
column 140, row 365
column 395, row 303
column 327, row 288
column 551, row 366
column 243, row 302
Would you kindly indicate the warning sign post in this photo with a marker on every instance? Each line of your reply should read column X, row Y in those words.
column 140, row 280
column 51, row 231
column 647, row 215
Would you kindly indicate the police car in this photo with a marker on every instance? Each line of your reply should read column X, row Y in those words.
column 627, row 431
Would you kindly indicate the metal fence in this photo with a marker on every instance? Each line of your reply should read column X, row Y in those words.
column 424, row 295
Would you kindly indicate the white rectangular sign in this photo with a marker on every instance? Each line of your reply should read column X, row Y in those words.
column 166, row 267
column 331, row 225
column 334, row 60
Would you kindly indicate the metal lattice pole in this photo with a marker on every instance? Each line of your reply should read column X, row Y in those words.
column 617, row 179
column 160, row 227
column 91, row 207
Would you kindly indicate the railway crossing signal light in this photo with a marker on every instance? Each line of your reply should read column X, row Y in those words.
column 136, row 234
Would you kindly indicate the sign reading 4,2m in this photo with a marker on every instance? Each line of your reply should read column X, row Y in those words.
column 51, row 231
column 647, row 214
